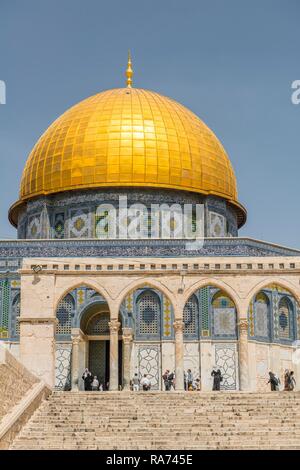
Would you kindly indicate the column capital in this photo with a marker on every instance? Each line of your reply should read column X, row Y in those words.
column 178, row 326
column 127, row 335
column 114, row 326
column 243, row 324
column 75, row 340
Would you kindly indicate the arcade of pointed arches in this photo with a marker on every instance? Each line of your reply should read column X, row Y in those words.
column 146, row 328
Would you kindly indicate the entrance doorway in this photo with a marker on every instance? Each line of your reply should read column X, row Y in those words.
column 95, row 327
column 99, row 361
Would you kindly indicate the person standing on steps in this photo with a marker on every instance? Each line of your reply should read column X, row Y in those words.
column 189, row 380
column 135, row 383
column 278, row 382
column 291, row 382
column 165, row 378
column 286, row 380
column 185, row 380
column 95, row 384
column 216, row 374
column 87, row 379
column 145, row 383
column 198, row 384
column 273, row 382
column 171, row 380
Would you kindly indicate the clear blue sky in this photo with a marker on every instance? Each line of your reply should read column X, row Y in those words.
column 231, row 61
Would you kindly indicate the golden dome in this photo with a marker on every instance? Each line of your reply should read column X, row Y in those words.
column 128, row 137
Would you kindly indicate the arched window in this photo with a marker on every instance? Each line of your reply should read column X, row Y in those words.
column 148, row 314
column 262, row 315
column 285, row 310
column 64, row 315
column 191, row 317
column 16, row 313
column 223, row 316
column 98, row 324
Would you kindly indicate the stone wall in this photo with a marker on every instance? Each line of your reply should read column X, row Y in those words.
column 21, row 393
column 15, row 381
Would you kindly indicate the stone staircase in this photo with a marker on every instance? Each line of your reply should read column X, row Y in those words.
column 162, row 420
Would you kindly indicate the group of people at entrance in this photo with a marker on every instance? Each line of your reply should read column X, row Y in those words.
column 169, row 380
column 91, row 382
column 289, row 381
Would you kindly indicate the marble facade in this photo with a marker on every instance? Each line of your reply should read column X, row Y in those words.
column 244, row 359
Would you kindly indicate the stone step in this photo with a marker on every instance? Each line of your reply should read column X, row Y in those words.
column 158, row 420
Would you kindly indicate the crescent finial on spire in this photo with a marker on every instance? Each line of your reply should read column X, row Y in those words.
column 129, row 71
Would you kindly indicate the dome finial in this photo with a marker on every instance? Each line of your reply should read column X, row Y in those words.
column 129, row 71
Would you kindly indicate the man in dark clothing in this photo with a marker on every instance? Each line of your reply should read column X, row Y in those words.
column 273, row 382
column 166, row 380
column 88, row 379
column 216, row 374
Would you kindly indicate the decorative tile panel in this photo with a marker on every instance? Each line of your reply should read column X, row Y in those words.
column 191, row 318
column 217, row 225
column 149, row 364
column 148, row 315
column 59, row 225
column 226, row 361
column 34, row 227
column 224, row 316
column 205, row 311
column 224, row 321
column 262, row 316
column 167, row 318
column 79, row 224
column 63, row 366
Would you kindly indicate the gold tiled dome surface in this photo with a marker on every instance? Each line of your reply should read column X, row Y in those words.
column 128, row 137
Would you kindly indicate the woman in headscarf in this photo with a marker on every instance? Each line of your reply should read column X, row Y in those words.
column 216, row 374
column 273, row 382
column 88, row 379
column 286, row 380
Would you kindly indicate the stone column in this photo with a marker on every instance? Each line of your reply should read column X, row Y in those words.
column 127, row 344
column 75, row 363
column 114, row 326
column 243, row 354
column 179, row 352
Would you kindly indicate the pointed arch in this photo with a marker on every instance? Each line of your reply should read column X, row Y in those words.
column 217, row 283
column 277, row 303
column 145, row 283
column 281, row 283
column 83, row 285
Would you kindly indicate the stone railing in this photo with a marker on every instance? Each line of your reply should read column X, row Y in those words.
column 20, row 394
